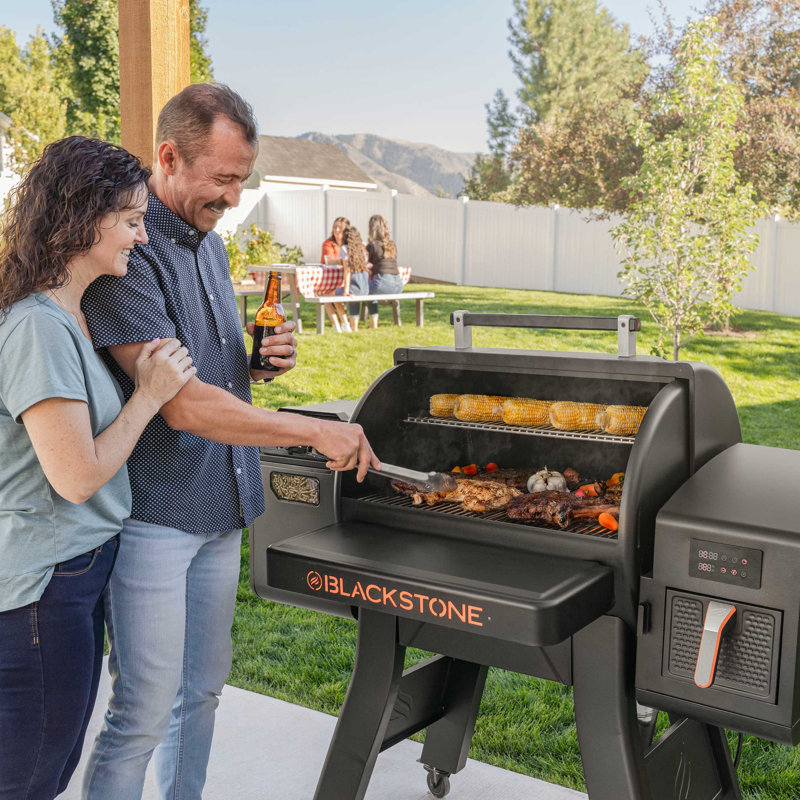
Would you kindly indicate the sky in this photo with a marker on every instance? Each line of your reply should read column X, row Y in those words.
column 421, row 70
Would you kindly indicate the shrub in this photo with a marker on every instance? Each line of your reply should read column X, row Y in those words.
column 256, row 246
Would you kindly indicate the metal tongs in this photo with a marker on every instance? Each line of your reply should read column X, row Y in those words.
column 424, row 481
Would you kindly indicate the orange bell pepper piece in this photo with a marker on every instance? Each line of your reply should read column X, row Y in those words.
column 608, row 521
column 470, row 469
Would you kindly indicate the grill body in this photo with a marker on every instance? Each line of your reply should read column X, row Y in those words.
column 480, row 590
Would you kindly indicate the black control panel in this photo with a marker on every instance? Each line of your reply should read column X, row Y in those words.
column 725, row 563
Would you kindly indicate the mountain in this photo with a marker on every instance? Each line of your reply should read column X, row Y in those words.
column 411, row 168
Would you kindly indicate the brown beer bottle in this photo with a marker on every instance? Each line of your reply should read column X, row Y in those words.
column 268, row 317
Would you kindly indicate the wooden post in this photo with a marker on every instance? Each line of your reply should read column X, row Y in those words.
column 153, row 66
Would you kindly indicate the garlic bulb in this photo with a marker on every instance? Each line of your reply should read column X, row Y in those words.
column 547, row 480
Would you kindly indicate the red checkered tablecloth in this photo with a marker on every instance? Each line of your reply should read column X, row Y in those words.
column 318, row 281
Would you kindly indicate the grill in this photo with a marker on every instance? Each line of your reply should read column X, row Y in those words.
column 480, row 589
column 455, row 509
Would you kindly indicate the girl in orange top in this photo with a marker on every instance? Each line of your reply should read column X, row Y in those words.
column 330, row 255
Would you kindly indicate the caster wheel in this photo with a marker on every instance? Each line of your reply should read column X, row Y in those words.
column 438, row 783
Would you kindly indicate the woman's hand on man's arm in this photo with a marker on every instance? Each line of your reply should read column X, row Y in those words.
column 75, row 462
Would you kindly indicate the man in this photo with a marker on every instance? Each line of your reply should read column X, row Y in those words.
column 195, row 474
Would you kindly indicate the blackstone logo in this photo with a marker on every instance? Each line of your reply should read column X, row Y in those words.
column 402, row 599
column 314, row 580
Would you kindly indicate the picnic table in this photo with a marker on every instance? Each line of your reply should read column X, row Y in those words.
column 310, row 281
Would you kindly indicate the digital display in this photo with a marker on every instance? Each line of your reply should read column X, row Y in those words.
column 726, row 563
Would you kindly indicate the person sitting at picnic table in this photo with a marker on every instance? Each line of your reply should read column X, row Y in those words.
column 382, row 253
column 65, row 435
column 331, row 248
column 356, row 274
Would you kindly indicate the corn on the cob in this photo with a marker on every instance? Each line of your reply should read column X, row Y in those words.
column 480, row 408
column 620, row 420
column 569, row 416
column 526, row 411
column 443, row 405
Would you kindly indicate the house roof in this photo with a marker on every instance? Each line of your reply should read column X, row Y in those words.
column 300, row 158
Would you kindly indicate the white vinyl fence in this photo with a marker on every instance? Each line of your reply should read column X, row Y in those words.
column 476, row 243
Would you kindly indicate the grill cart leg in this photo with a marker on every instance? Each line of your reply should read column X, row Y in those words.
column 447, row 740
column 692, row 760
column 605, row 712
column 366, row 711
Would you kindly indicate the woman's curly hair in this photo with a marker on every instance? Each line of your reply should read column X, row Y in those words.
column 356, row 253
column 56, row 210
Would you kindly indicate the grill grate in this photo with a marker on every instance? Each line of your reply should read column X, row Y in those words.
column 531, row 430
column 457, row 510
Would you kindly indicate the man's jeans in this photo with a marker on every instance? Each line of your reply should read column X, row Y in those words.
column 169, row 611
column 51, row 655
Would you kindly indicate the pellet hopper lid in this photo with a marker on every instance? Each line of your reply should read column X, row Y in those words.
column 746, row 487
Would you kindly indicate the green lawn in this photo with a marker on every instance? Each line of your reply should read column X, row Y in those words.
column 525, row 724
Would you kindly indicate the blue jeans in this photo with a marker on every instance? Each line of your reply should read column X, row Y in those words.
column 359, row 284
column 169, row 611
column 384, row 284
column 51, row 654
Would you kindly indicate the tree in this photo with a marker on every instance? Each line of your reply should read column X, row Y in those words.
column 569, row 52
column 760, row 41
column 88, row 59
column 490, row 175
column 30, row 96
column 578, row 158
column 88, row 55
column 684, row 238
column 580, row 78
column 200, row 62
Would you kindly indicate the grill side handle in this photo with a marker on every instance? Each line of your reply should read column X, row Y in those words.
column 625, row 325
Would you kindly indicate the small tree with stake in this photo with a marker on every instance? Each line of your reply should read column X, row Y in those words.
column 684, row 238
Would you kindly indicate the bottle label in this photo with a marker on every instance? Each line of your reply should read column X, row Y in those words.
column 257, row 361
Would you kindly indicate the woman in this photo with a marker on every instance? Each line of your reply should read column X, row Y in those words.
column 382, row 252
column 331, row 254
column 64, row 440
column 356, row 274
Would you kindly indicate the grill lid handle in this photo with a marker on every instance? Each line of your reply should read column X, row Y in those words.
column 625, row 325
column 718, row 617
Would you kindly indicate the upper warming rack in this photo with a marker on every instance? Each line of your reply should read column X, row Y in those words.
column 527, row 430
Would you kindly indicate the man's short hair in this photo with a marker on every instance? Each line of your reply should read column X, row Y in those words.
column 187, row 118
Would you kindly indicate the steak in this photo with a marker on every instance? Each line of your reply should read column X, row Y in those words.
column 557, row 508
column 552, row 508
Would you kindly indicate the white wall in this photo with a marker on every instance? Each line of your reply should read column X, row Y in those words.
column 8, row 179
column 494, row 244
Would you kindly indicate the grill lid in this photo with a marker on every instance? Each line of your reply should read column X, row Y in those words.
column 509, row 594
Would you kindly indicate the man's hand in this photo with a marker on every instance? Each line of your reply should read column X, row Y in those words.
column 346, row 447
column 281, row 347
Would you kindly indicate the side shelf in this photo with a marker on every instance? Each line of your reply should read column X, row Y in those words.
column 514, row 595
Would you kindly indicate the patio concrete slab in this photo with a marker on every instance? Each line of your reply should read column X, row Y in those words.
column 266, row 749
